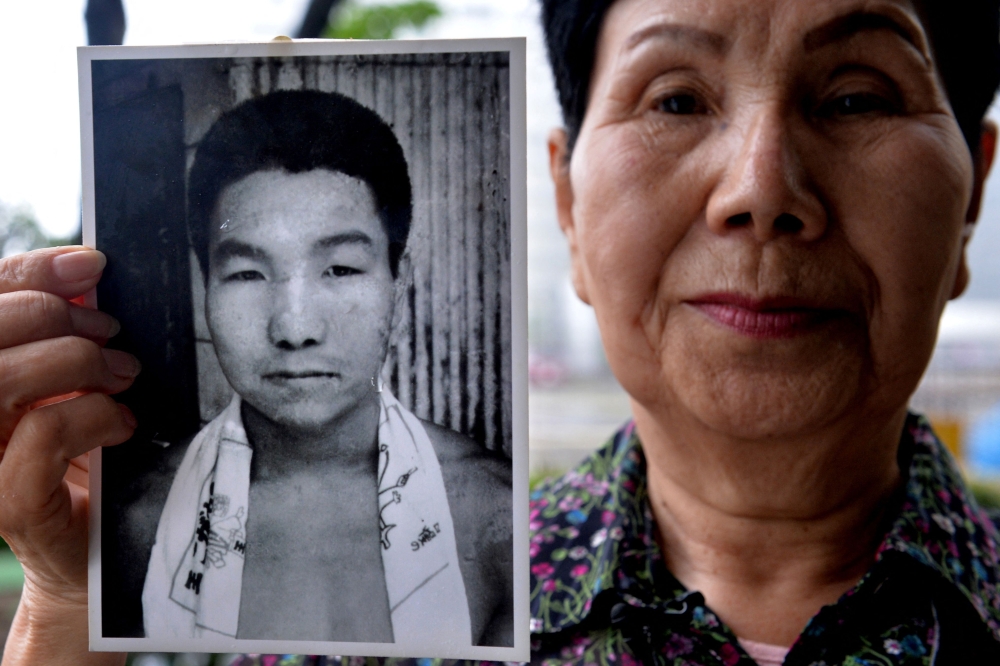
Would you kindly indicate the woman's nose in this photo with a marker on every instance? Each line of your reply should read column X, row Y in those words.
column 764, row 185
column 295, row 323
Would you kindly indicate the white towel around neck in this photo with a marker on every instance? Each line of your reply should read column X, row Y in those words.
column 195, row 575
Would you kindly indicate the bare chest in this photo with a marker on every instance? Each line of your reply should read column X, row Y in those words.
column 313, row 568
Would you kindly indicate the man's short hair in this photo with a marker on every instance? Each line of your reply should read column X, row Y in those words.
column 298, row 131
column 964, row 35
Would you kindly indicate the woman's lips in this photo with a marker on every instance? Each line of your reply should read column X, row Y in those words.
column 771, row 318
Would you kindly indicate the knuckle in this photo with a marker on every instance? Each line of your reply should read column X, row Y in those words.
column 14, row 271
column 43, row 308
column 43, row 429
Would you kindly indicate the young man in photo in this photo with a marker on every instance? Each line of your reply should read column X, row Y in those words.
column 315, row 506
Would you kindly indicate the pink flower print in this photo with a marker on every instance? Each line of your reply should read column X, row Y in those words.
column 627, row 660
column 570, row 503
column 600, row 536
column 944, row 495
column 534, row 526
column 535, row 625
column 549, row 585
column 534, row 514
column 608, row 517
column 730, row 656
column 677, row 646
column 579, row 571
column 629, row 485
column 892, row 647
column 616, row 533
column 944, row 523
column 543, row 570
column 571, row 532
column 578, row 553
column 533, row 550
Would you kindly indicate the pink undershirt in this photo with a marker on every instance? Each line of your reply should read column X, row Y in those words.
column 763, row 653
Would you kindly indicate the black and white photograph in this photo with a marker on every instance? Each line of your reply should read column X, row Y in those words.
column 317, row 250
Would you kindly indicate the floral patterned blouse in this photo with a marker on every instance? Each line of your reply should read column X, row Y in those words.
column 601, row 594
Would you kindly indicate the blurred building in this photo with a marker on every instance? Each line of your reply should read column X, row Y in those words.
column 961, row 387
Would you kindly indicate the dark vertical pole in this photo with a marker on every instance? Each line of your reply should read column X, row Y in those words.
column 105, row 22
column 316, row 18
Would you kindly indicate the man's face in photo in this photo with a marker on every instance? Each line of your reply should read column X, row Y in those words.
column 299, row 295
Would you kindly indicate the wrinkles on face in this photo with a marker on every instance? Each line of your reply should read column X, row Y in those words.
column 792, row 152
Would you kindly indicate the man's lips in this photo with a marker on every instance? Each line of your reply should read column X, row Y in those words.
column 763, row 318
column 295, row 376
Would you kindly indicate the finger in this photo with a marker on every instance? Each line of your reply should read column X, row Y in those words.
column 64, row 271
column 27, row 316
column 42, row 446
column 78, row 472
column 58, row 398
column 48, row 368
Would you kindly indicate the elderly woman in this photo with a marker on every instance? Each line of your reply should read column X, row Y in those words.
column 767, row 204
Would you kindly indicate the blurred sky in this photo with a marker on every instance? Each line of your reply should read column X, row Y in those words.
column 39, row 113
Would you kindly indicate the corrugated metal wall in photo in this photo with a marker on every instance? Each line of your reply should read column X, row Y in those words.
column 450, row 353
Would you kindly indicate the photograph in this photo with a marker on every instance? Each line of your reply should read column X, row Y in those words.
column 317, row 252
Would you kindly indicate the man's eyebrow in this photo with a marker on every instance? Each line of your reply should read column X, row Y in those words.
column 686, row 34
column 844, row 27
column 346, row 238
column 234, row 249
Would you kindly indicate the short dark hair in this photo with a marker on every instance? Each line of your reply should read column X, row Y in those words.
column 964, row 34
column 298, row 131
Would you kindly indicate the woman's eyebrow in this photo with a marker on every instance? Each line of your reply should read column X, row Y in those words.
column 678, row 32
column 844, row 27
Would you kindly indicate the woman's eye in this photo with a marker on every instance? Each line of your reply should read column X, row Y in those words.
column 245, row 276
column 856, row 104
column 681, row 104
column 340, row 271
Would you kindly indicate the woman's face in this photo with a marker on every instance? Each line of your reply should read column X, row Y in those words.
column 765, row 206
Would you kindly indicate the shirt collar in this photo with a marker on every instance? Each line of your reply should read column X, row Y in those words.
column 592, row 531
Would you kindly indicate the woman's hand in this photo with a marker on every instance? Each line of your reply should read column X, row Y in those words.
column 55, row 382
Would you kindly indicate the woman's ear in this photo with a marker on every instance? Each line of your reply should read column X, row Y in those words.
column 559, row 158
column 982, row 160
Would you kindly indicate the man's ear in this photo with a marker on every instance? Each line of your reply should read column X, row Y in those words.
column 401, row 287
column 982, row 160
column 559, row 169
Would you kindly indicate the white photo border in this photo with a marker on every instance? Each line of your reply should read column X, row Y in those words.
column 515, row 46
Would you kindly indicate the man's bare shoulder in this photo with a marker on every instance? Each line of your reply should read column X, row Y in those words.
column 462, row 455
column 478, row 484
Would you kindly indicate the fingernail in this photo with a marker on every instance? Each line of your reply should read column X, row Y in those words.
column 115, row 329
column 121, row 363
column 79, row 265
column 128, row 416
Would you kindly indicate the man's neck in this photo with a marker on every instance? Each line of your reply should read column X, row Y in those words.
column 280, row 450
column 771, row 531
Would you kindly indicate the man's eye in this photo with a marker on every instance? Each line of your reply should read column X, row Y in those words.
column 856, row 104
column 245, row 276
column 340, row 271
column 681, row 104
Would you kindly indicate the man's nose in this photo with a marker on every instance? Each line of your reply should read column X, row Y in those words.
column 295, row 323
column 764, row 185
